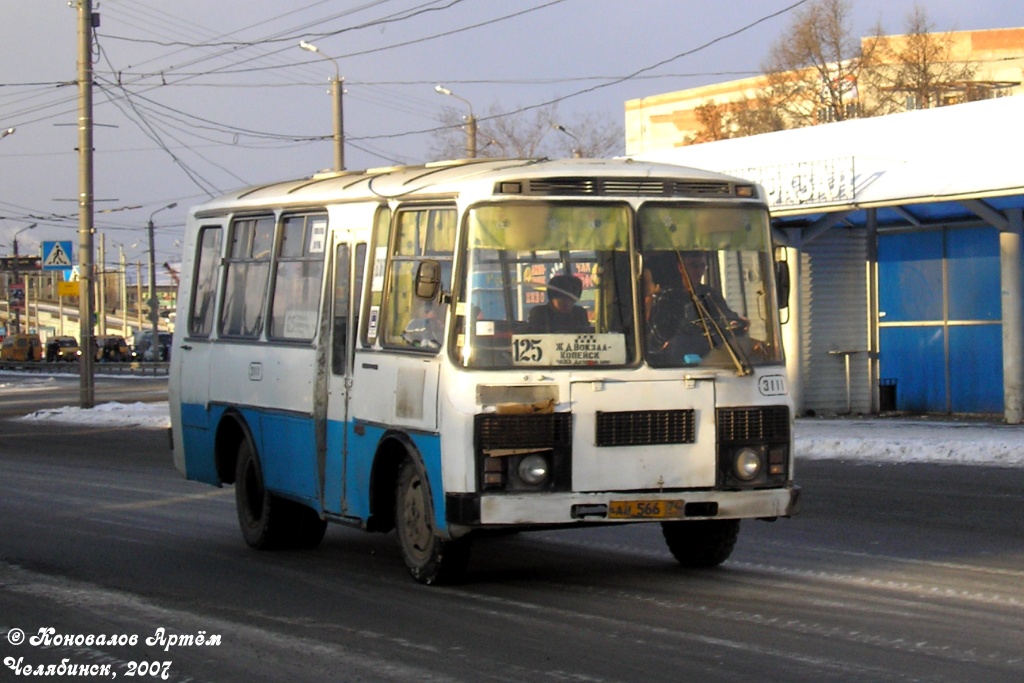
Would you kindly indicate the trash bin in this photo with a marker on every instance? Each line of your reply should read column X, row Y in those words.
column 886, row 395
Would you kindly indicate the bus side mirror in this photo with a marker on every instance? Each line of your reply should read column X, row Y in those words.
column 782, row 283
column 428, row 279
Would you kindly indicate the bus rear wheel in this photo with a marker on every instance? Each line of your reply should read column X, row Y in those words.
column 430, row 558
column 269, row 522
column 701, row 544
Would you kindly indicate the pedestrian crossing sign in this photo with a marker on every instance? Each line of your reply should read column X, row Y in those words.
column 57, row 255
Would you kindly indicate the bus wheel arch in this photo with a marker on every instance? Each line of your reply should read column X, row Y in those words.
column 231, row 431
column 391, row 451
column 267, row 521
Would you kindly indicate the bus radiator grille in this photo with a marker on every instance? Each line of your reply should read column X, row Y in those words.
column 644, row 428
column 548, row 430
column 769, row 423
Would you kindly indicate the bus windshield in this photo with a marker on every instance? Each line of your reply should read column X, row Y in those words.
column 546, row 284
column 550, row 285
column 708, row 287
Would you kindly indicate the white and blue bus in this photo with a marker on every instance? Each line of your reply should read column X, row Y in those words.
column 461, row 347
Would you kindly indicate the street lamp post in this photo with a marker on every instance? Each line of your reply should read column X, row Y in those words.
column 17, row 311
column 154, row 304
column 336, row 93
column 470, row 121
column 577, row 153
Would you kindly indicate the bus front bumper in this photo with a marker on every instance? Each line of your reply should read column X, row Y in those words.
column 538, row 509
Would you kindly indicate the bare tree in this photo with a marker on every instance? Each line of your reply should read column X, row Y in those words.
column 528, row 134
column 817, row 73
column 714, row 123
column 813, row 71
column 748, row 116
column 919, row 70
column 756, row 115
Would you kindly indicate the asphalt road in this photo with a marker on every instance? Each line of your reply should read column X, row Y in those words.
column 891, row 573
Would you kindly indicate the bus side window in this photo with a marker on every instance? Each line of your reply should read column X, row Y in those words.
column 409, row 320
column 246, row 278
column 357, row 284
column 298, row 277
column 339, row 328
column 381, row 236
column 204, row 287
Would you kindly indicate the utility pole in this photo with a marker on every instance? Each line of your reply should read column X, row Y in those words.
column 138, row 293
column 154, row 303
column 86, row 22
column 122, row 288
column 101, row 289
column 17, row 311
column 339, row 123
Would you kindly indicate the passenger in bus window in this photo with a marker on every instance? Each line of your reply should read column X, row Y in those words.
column 560, row 313
column 685, row 314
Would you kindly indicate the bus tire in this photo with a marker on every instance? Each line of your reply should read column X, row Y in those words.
column 261, row 516
column 701, row 544
column 430, row 558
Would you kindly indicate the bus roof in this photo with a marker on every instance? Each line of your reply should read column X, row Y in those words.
column 481, row 178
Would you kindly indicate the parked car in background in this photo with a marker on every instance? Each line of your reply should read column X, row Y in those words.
column 143, row 351
column 111, row 349
column 66, row 349
column 21, row 347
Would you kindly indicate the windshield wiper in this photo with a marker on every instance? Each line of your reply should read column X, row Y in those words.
column 708, row 321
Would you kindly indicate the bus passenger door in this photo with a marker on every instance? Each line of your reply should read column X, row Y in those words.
column 346, row 285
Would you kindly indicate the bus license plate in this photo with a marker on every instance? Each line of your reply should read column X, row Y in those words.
column 645, row 509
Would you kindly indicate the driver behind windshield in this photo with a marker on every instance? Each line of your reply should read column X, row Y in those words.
column 686, row 317
column 561, row 312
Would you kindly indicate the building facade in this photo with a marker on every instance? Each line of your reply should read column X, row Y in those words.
column 995, row 58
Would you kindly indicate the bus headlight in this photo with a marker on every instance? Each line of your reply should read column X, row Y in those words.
column 533, row 470
column 748, row 464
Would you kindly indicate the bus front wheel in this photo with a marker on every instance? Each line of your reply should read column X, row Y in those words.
column 430, row 558
column 700, row 544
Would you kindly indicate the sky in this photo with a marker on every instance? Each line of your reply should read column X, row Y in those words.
column 869, row 440
column 196, row 98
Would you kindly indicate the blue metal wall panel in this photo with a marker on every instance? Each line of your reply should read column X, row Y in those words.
column 911, row 267
column 976, row 368
column 915, row 357
column 910, row 276
column 973, row 268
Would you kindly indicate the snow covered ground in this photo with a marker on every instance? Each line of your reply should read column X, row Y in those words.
column 909, row 439
column 147, row 415
column 904, row 439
